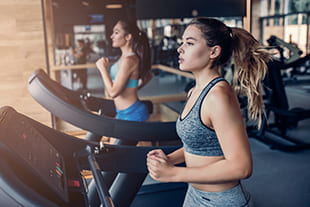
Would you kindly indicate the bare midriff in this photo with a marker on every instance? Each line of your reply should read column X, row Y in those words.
column 197, row 161
column 126, row 98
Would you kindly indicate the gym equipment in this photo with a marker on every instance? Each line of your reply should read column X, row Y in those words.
column 166, row 52
column 40, row 166
column 294, row 54
column 274, row 131
column 294, row 51
column 77, row 109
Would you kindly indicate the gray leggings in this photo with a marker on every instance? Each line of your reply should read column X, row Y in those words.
column 235, row 197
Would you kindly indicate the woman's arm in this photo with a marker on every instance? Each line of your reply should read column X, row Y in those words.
column 174, row 158
column 177, row 157
column 168, row 161
column 222, row 113
column 126, row 67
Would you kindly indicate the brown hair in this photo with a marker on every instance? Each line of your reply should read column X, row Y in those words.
column 250, row 60
column 140, row 44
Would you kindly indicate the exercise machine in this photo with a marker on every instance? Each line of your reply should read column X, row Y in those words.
column 78, row 109
column 40, row 166
column 96, row 116
column 293, row 56
column 294, row 52
column 280, row 117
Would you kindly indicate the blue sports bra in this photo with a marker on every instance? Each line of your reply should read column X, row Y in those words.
column 197, row 138
column 131, row 83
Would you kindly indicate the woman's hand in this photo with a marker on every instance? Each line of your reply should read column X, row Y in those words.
column 159, row 166
column 102, row 63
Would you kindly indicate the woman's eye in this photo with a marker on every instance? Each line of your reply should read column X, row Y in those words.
column 187, row 43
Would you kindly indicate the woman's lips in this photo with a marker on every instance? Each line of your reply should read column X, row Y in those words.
column 181, row 60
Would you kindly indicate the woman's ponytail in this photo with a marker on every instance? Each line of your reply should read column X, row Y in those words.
column 250, row 59
column 140, row 45
column 142, row 49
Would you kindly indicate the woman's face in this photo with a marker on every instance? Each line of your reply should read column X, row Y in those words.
column 118, row 36
column 194, row 54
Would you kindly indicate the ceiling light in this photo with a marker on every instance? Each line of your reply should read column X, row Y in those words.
column 85, row 3
column 114, row 6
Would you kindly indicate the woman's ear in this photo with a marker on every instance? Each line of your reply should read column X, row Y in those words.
column 215, row 51
column 128, row 37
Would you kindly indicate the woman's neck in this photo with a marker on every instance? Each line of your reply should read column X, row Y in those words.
column 204, row 76
column 126, row 51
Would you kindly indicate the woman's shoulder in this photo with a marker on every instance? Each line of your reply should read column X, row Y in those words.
column 131, row 62
column 131, row 59
column 221, row 93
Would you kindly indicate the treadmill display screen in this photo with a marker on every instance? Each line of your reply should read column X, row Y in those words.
column 37, row 154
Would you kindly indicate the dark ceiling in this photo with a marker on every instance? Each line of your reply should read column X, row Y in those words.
column 147, row 9
column 80, row 12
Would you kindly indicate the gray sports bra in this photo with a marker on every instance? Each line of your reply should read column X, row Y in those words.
column 197, row 138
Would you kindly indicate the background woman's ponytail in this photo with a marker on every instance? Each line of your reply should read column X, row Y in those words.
column 250, row 59
column 140, row 44
column 142, row 49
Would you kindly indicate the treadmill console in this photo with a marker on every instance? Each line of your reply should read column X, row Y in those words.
column 35, row 153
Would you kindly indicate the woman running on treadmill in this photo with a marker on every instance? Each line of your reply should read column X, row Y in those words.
column 215, row 148
column 131, row 71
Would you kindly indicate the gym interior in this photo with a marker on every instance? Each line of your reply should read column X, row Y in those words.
column 53, row 126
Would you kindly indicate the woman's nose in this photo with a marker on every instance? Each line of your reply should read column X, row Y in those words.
column 180, row 49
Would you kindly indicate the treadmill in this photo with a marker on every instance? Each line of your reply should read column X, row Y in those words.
column 42, row 167
column 78, row 109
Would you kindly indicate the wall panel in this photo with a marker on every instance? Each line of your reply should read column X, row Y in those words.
column 21, row 52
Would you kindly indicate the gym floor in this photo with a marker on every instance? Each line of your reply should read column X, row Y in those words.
column 279, row 179
column 282, row 178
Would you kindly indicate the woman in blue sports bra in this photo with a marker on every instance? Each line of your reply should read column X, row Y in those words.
column 131, row 72
column 215, row 149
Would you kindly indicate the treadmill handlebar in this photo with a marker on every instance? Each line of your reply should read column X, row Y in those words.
column 104, row 195
column 66, row 104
